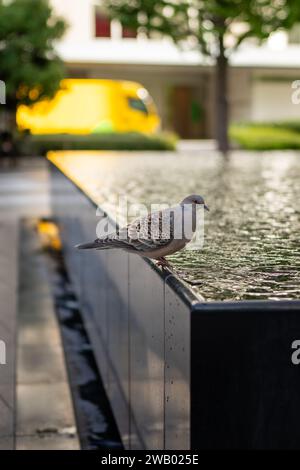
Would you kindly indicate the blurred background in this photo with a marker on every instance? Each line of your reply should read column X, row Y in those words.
column 178, row 86
column 205, row 70
column 181, row 80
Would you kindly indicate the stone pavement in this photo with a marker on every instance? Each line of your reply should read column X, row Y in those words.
column 8, row 309
column 24, row 190
column 35, row 402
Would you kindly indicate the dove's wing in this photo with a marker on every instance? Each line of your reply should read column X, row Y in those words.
column 145, row 234
column 153, row 231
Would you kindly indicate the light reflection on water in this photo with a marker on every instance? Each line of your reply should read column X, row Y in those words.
column 251, row 248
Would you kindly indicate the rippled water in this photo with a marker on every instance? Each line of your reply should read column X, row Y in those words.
column 252, row 248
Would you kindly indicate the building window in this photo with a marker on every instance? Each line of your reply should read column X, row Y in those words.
column 128, row 33
column 102, row 25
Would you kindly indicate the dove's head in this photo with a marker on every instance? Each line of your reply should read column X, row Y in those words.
column 194, row 199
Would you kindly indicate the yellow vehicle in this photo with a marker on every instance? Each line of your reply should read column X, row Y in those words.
column 84, row 106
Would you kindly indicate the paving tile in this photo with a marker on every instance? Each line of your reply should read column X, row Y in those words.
column 42, row 363
column 8, row 308
column 7, row 443
column 25, row 191
column 43, row 332
column 7, row 370
column 37, row 306
column 43, row 406
column 36, row 322
column 7, row 395
column 6, row 419
column 33, row 281
column 46, row 443
column 8, row 275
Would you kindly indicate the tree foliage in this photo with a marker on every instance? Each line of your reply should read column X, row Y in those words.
column 29, row 64
column 214, row 27
column 203, row 22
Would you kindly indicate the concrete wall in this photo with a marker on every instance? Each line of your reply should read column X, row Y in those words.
column 271, row 97
column 79, row 17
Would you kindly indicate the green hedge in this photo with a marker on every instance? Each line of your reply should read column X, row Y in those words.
column 41, row 144
column 267, row 136
column 292, row 125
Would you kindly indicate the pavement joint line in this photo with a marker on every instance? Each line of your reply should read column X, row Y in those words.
column 5, row 403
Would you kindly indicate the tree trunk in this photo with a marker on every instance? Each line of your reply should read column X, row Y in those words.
column 11, row 121
column 221, row 99
column 9, row 117
column 8, row 142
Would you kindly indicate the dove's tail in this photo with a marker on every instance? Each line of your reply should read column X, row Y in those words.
column 89, row 246
column 103, row 244
column 86, row 246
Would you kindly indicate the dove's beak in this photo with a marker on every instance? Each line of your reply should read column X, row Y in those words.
column 206, row 207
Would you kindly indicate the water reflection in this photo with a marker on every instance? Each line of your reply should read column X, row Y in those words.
column 251, row 248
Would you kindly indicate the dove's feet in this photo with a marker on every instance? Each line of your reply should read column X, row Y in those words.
column 163, row 263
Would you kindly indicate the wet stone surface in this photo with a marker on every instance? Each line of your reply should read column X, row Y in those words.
column 251, row 248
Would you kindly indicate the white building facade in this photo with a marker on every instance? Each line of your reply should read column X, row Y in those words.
column 181, row 82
